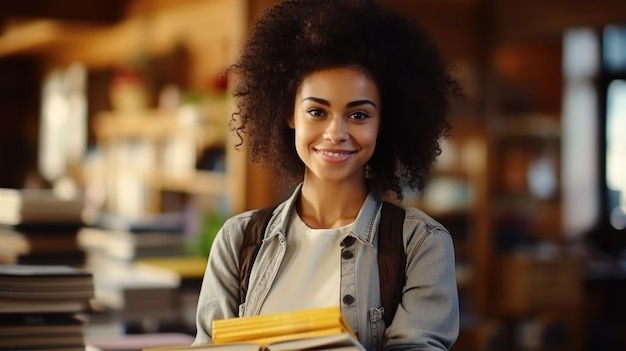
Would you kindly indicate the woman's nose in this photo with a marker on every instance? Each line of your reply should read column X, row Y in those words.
column 336, row 130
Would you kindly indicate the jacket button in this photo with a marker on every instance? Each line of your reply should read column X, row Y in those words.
column 347, row 254
column 348, row 241
column 348, row 299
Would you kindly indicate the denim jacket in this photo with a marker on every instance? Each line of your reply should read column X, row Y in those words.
column 426, row 319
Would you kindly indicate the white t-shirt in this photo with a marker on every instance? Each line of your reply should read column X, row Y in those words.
column 310, row 273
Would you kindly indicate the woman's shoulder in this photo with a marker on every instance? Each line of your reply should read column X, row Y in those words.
column 267, row 215
column 237, row 223
column 416, row 217
column 422, row 232
column 242, row 216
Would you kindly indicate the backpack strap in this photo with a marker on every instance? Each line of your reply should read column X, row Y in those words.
column 391, row 259
column 252, row 238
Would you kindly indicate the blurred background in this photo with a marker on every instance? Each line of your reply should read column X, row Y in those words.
column 122, row 106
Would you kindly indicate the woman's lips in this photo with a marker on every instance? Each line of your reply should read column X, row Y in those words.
column 334, row 155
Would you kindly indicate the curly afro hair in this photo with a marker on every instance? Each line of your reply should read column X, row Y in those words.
column 295, row 38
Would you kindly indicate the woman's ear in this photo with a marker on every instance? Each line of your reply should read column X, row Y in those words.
column 290, row 122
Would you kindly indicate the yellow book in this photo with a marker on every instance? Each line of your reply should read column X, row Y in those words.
column 278, row 324
column 310, row 329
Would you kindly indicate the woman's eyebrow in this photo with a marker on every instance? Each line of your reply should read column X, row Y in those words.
column 318, row 100
column 350, row 104
column 361, row 102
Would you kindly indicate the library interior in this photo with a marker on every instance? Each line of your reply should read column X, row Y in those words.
column 117, row 160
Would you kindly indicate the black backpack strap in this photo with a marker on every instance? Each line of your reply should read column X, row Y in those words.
column 252, row 238
column 391, row 258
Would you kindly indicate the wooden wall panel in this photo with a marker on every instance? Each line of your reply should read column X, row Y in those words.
column 539, row 19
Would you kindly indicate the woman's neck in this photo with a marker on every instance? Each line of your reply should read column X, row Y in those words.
column 330, row 204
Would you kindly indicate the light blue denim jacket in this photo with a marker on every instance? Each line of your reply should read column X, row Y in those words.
column 426, row 319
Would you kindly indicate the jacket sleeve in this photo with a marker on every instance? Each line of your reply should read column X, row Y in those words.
column 219, row 293
column 428, row 316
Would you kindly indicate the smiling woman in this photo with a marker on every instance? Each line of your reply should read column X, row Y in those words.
column 349, row 123
column 336, row 122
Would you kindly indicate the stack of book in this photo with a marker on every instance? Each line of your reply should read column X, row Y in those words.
column 41, row 307
column 39, row 227
column 109, row 249
column 191, row 271
column 140, row 295
column 310, row 329
column 113, row 243
column 137, row 294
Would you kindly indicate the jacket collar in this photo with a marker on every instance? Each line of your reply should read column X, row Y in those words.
column 364, row 226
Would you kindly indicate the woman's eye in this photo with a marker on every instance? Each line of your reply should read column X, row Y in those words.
column 316, row 112
column 359, row 116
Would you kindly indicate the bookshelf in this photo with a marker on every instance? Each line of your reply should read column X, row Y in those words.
column 186, row 44
column 538, row 271
column 527, row 175
column 459, row 194
column 146, row 153
column 149, row 160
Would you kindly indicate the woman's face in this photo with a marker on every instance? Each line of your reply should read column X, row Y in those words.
column 336, row 120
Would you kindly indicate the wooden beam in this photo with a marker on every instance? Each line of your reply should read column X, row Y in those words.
column 42, row 35
column 102, row 12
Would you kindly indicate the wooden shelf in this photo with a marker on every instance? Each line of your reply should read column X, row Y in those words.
column 529, row 127
column 148, row 124
column 156, row 125
column 158, row 152
column 200, row 182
